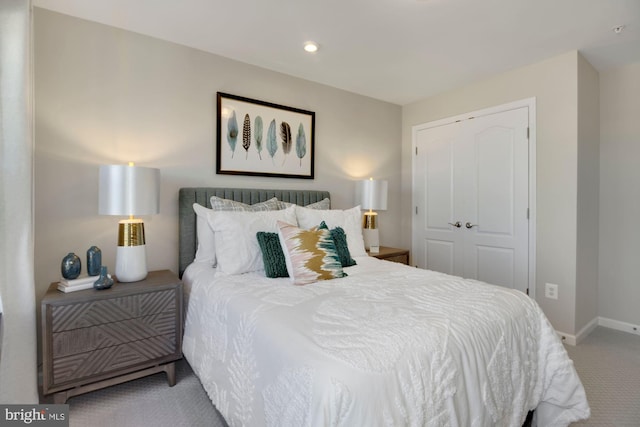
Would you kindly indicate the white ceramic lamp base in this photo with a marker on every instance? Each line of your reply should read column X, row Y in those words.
column 131, row 263
column 371, row 240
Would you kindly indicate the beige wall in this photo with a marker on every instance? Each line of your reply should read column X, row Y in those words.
column 104, row 95
column 618, row 289
column 554, row 84
column 588, row 200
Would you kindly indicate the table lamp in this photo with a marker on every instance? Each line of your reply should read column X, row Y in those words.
column 129, row 190
column 373, row 196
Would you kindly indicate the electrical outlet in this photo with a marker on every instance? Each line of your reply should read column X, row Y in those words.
column 551, row 291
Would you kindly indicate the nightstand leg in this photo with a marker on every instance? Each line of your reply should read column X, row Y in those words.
column 59, row 398
column 170, row 369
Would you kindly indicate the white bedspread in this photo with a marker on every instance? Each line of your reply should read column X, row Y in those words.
column 390, row 345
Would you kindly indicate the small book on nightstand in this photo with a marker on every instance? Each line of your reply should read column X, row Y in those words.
column 78, row 284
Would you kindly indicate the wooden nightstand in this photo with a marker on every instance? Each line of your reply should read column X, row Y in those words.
column 392, row 254
column 94, row 339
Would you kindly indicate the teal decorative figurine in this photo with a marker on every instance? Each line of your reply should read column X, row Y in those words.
column 94, row 260
column 71, row 266
column 104, row 281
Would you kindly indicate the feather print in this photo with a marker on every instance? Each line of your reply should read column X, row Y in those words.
column 301, row 143
column 232, row 132
column 246, row 134
column 285, row 134
column 243, row 372
column 272, row 144
column 257, row 134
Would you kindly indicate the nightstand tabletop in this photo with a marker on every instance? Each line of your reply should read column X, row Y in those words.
column 391, row 254
column 154, row 279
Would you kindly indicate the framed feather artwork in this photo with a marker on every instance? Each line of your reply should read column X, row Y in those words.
column 263, row 139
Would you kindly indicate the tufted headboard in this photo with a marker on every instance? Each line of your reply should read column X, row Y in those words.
column 187, row 217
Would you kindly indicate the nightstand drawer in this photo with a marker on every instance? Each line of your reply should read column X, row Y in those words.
column 80, row 340
column 86, row 365
column 402, row 259
column 74, row 316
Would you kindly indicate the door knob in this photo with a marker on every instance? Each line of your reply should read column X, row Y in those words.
column 457, row 224
column 469, row 225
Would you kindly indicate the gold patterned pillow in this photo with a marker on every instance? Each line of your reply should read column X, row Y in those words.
column 310, row 255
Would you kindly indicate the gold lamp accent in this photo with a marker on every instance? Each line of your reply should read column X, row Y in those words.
column 372, row 195
column 129, row 190
column 131, row 232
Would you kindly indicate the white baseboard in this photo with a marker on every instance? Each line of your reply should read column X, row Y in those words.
column 598, row 321
column 566, row 338
column 619, row 326
column 589, row 327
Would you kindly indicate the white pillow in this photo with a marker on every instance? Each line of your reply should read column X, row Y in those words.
column 206, row 251
column 206, row 245
column 237, row 248
column 349, row 220
column 322, row 204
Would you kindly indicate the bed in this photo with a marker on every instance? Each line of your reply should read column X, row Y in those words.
column 386, row 345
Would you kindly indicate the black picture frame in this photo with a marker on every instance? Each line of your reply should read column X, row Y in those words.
column 263, row 139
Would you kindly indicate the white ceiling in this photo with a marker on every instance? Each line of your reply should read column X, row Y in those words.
column 394, row 50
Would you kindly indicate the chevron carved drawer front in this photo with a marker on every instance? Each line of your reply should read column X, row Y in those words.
column 93, row 336
column 110, row 334
column 111, row 310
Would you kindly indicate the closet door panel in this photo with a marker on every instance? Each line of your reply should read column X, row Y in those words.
column 437, row 244
column 496, row 242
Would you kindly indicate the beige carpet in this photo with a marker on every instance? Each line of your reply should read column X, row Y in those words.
column 148, row 401
column 607, row 361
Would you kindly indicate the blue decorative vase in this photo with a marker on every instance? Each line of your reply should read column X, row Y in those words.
column 104, row 281
column 71, row 266
column 94, row 260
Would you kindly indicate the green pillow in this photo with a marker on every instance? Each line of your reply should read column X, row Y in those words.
column 340, row 240
column 275, row 264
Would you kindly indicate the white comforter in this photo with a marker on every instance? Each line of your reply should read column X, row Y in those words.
column 390, row 345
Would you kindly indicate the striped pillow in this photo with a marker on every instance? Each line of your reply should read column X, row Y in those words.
column 220, row 204
column 310, row 255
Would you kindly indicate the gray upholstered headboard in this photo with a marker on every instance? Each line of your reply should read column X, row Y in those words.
column 187, row 217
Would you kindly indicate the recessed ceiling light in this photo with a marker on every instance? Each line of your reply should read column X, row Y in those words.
column 311, row 47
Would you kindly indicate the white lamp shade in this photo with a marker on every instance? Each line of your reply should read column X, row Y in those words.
column 372, row 194
column 129, row 190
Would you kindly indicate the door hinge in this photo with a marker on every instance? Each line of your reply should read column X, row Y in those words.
column 416, row 151
column 527, row 213
column 416, row 210
column 527, row 291
column 527, row 133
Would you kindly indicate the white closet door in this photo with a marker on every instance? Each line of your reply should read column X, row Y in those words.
column 437, row 244
column 474, row 172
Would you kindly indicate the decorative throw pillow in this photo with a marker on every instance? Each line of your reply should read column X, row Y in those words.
column 350, row 220
column 220, row 204
column 275, row 265
column 340, row 240
column 322, row 204
column 237, row 249
column 310, row 254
